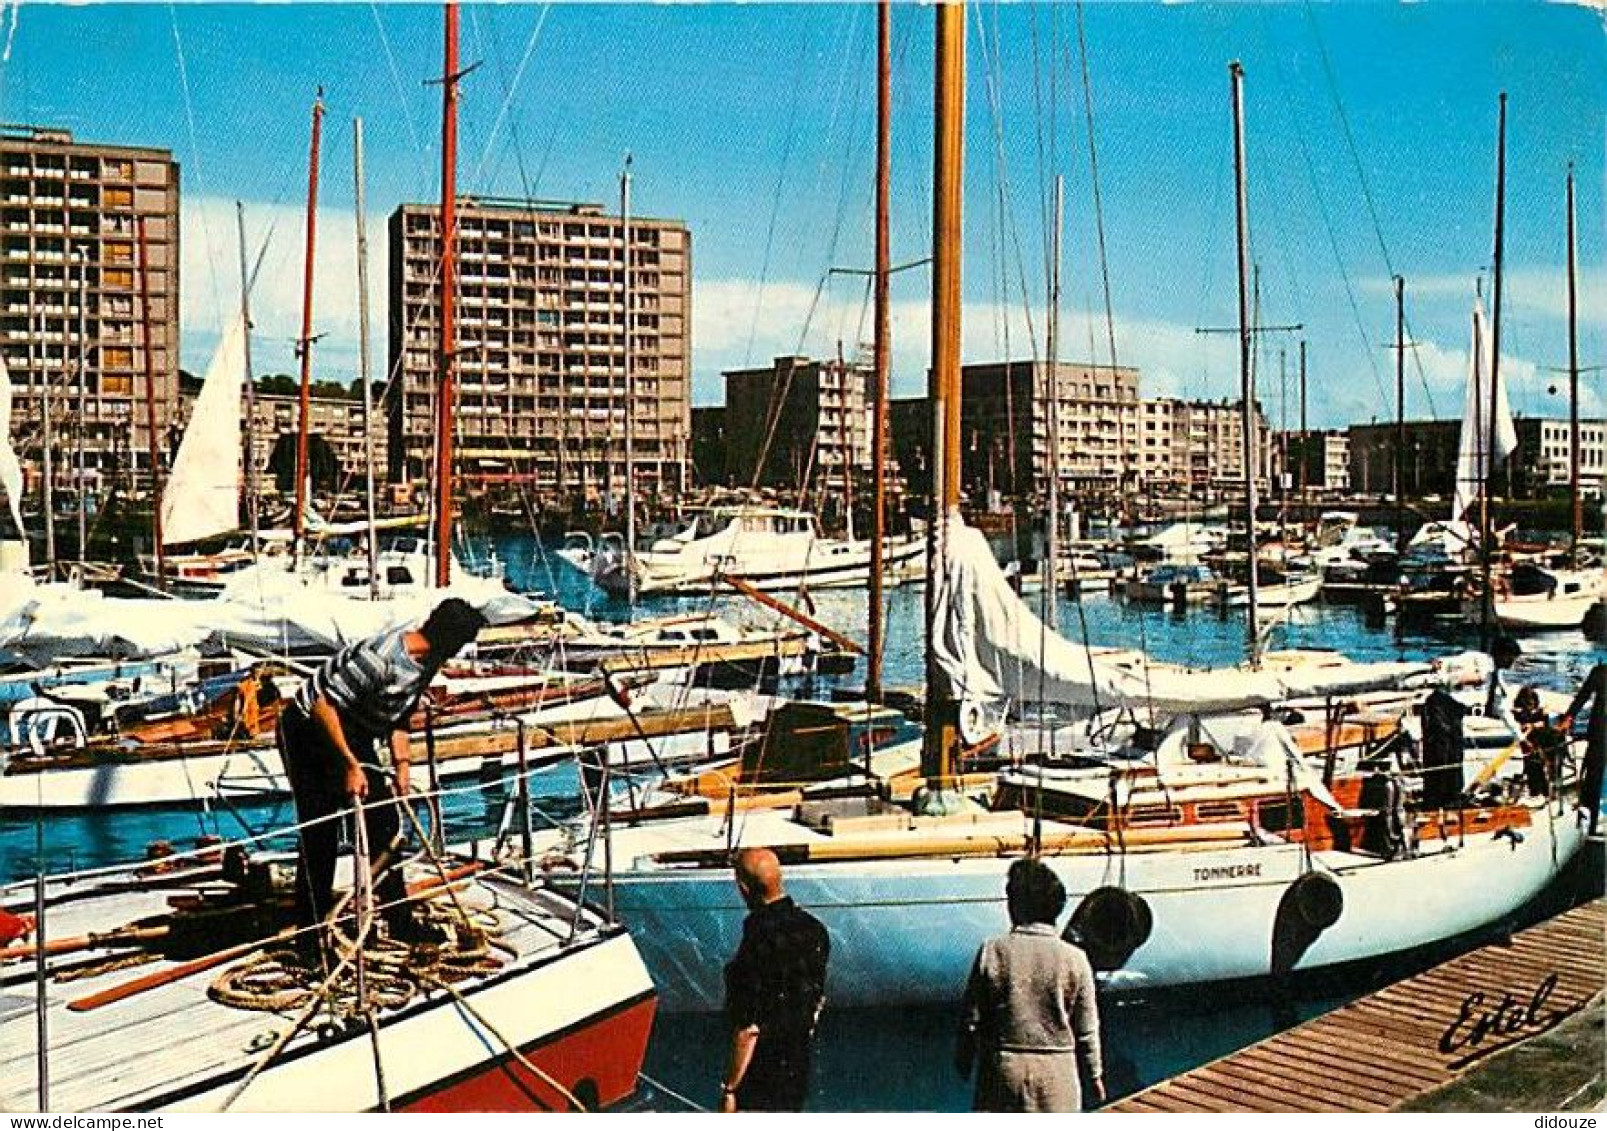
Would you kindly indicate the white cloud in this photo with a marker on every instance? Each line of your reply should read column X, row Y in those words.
column 735, row 323
column 211, row 288
column 1527, row 291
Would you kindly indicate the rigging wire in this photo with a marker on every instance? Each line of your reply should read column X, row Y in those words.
column 1361, row 177
column 195, row 157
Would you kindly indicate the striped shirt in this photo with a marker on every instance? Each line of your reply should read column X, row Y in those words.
column 373, row 685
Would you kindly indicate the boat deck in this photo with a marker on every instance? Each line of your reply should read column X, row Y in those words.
column 1393, row 1046
column 170, row 1037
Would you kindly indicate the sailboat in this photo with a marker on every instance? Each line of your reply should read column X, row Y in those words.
column 532, row 1001
column 1221, row 854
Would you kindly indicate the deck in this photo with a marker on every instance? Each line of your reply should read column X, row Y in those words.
column 1388, row 1049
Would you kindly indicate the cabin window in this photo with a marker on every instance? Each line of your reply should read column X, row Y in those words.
column 398, row 575
column 1275, row 816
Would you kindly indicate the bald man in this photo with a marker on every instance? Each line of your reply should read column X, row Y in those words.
column 774, row 989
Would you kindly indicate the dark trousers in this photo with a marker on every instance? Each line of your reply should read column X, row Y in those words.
column 777, row 1078
column 317, row 779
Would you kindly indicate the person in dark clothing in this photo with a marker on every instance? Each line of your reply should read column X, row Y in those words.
column 1594, row 692
column 344, row 740
column 775, row 987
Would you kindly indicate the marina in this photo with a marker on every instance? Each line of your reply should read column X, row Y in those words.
column 933, row 723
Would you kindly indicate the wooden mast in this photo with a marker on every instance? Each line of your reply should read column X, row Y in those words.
column 1485, row 534
column 250, row 458
column 883, row 336
column 363, row 359
column 948, row 150
column 1573, row 379
column 1246, row 375
column 154, row 447
column 304, row 344
column 446, row 386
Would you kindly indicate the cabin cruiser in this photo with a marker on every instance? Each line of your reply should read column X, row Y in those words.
column 769, row 548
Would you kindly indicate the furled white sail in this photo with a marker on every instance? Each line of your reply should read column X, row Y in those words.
column 1481, row 449
column 991, row 648
column 202, row 496
column 10, row 469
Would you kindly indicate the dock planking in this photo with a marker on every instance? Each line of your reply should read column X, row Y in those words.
column 1410, row 1038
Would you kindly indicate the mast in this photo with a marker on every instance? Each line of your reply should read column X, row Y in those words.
column 1305, row 442
column 446, row 386
column 1051, row 606
column 47, row 484
column 630, row 385
column 948, row 150
column 363, row 358
column 304, row 345
column 1400, row 415
column 883, row 338
column 1573, row 379
column 1246, row 374
column 154, row 444
column 83, row 402
column 252, row 518
column 1495, row 368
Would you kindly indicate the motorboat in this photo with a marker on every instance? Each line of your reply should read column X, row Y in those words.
column 770, row 548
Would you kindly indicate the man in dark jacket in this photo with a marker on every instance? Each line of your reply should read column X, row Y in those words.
column 774, row 989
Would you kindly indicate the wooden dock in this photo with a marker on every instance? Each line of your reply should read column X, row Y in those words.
column 1413, row 1037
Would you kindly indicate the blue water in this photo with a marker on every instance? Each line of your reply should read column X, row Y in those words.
column 899, row 1060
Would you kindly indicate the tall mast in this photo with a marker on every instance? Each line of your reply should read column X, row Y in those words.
column 47, row 482
column 630, row 383
column 1495, row 367
column 304, row 345
column 82, row 257
column 364, row 361
column 948, row 151
column 1400, row 415
column 252, row 518
column 154, row 448
column 1051, row 606
column 446, row 386
column 1573, row 377
column 883, row 339
column 1305, row 442
column 1246, row 374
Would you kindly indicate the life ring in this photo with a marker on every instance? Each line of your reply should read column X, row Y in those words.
column 1318, row 899
column 973, row 723
column 1110, row 924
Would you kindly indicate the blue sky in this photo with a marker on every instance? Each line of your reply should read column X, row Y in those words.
column 1371, row 135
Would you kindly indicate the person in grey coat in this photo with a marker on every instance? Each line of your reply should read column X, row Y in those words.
column 1030, row 1019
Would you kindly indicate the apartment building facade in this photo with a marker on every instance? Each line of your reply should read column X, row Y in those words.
column 70, row 312
column 808, row 421
column 1006, row 427
column 1197, row 447
column 543, row 392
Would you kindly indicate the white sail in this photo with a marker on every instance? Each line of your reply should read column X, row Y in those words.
column 1475, row 460
column 202, row 496
column 990, row 648
column 10, row 469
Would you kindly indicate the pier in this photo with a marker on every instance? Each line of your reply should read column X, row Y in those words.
column 1408, row 1045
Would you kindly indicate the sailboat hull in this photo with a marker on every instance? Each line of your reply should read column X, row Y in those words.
column 906, row 930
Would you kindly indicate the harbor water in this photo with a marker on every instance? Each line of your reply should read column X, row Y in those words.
column 898, row 1060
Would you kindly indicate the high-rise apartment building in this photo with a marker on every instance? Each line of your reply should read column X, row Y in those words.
column 70, row 316
column 540, row 362
column 1197, row 447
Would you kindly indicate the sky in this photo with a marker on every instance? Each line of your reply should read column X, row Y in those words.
column 1370, row 132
